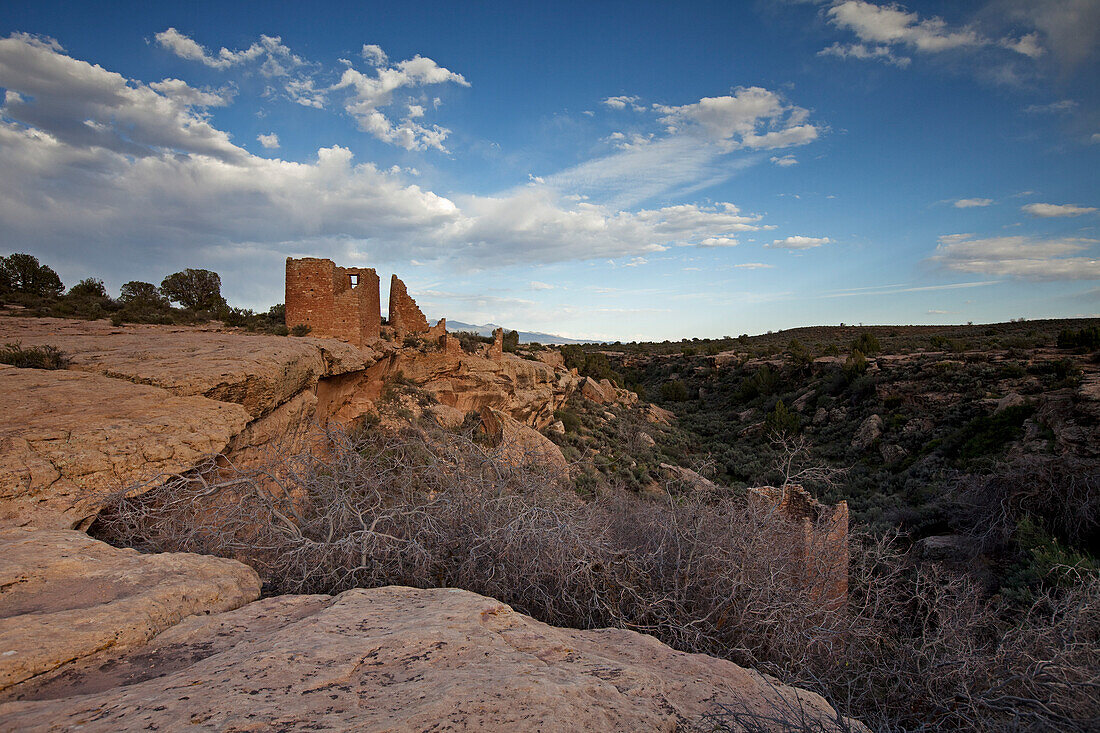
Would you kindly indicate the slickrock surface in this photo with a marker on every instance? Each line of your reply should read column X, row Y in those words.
column 64, row 596
column 395, row 659
column 256, row 371
column 70, row 438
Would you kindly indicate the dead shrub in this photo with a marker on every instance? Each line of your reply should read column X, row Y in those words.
column 915, row 648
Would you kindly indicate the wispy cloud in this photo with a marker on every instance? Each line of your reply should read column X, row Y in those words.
column 798, row 242
column 1056, row 210
column 972, row 203
column 1029, row 258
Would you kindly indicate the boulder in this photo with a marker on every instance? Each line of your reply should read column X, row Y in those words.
column 520, row 444
column 403, row 659
column 1009, row 400
column 68, row 439
column 552, row 357
column 594, row 391
column 869, row 431
column 65, row 596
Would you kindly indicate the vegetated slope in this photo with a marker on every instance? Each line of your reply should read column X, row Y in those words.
column 989, row 435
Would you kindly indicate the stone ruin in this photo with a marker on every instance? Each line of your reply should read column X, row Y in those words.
column 343, row 303
column 335, row 302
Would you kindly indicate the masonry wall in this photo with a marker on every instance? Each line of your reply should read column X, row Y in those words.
column 321, row 295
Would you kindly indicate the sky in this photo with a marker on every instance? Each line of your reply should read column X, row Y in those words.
column 600, row 170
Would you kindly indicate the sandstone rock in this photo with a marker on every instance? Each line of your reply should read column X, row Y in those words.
column 552, row 357
column 446, row 416
column 520, row 444
column 869, row 431
column 557, row 427
column 65, row 596
column 659, row 415
column 405, row 316
column 1009, row 400
column 821, row 416
column 646, row 440
column 258, row 372
column 402, row 659
column 594, row 391
column 951, row 548
column 529, row 391
column 70, row 438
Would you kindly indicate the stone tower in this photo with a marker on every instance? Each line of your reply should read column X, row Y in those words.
column 335, row 302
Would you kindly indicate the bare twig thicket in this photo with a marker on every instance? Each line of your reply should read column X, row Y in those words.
column 916, row 648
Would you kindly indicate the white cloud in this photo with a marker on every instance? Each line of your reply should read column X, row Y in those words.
column 1052, row 210
column 370, row 92
column 881, row 29
column 622, row 102
column 374, row 54
column 798, row 242
column 1022, row 257
column 718, row 242
column 277, row 58
column 972, row 203
column 624, row 141
column 1062, row 106
column 785, row 161
column 754, row 266
column 366, row 94
column 270, row 140
column 536, row 285
column 88, row 106
column 752, row 117
column 864, row 52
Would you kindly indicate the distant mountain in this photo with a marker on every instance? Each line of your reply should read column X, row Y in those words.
column 525, row 337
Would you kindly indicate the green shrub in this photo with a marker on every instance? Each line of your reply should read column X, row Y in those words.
column 33, row 357
column 301, row 329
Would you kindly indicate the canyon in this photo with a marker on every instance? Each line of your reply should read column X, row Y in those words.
column 106, row 638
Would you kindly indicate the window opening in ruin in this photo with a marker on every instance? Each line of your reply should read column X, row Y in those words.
column 354, row 280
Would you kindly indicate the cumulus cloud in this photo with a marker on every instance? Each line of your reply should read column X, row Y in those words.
column 882, row 29
column 752, row 117
column 84, row 105
column 270, row 140
column 370, row 92
column 1023, row 257
column 972, row 203
column 785, row 161
column 1056, row 210
column 622, row 102
column 365, row 94
column 798, row 242
column 277, row 59
column 625, row 141
column 374, row 54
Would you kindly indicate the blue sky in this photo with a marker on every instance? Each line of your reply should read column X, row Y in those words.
column 599, row 170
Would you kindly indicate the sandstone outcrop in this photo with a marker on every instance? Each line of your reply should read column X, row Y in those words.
column 256, row 371
column 527, row 390
column 69, row 438
column 400, row 659
column 65, row 597
column 405, row 316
